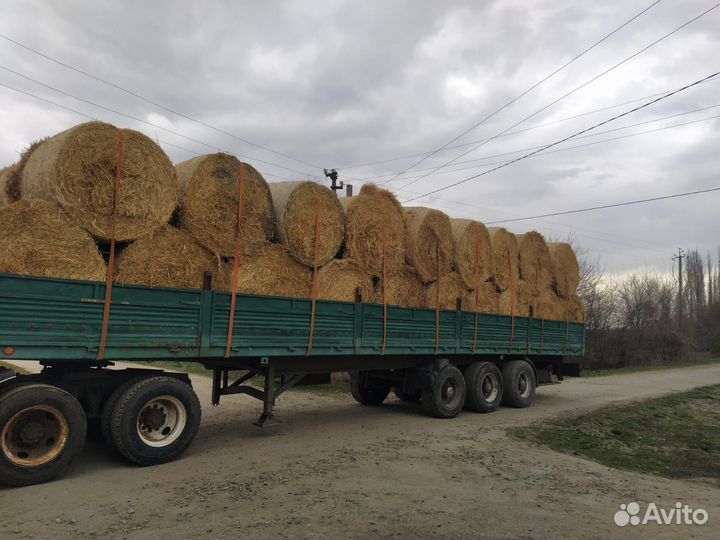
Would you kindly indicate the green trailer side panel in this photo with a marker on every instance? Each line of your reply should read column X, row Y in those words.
column 53, row 319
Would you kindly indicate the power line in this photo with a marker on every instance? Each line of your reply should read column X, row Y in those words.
column 604, row 206
column 137, row 119
column 516, row 98
column 154, row 103
column 508, row 134
column 596, row 77
column 574, row 135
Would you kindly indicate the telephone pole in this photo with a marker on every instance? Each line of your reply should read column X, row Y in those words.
column 679, row 257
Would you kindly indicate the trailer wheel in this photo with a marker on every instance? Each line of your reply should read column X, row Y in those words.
column 42, row 429
column 407, row 397
column 154, row 420
column 518, row 384
column 367, row 391
column 484, row 387
column 446, row 397
column 106, row 417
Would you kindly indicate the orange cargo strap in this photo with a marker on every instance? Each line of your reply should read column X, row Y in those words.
column 111, row 262
column 477, row 287
column 315, row 271
column 236, row 262
column 384, row 281
column 512, row 305
column 437, row 296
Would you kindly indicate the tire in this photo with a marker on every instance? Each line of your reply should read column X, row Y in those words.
column 518, row 384
column 42, row 429
column 446, row 397
column 366, row 391
column 407, row 397
column 107, row 413
column 484, row 387
column 154, row 420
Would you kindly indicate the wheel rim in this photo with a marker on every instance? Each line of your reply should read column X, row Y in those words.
column 489, row 387
column 523, row 385
column 449, row 393
column 35, row 436
column 161, row 421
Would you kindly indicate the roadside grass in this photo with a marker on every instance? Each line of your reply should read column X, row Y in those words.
column 676, row 436
column 16, row 369
column 653, row 367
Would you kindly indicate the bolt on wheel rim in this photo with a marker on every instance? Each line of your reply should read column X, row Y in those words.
column 35, row 436
column 161, row 421
column 489, row 387
column 523, row 385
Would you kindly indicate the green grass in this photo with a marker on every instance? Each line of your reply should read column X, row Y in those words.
column 676, row 436
column 653, row 367
column 18, row 370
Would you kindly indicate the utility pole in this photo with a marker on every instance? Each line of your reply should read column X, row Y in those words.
column 680, row 256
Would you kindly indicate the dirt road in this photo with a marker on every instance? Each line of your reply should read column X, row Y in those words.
column 329, row 467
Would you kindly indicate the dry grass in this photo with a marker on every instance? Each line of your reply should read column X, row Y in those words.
column 6, row 195
column 523, row 296
column 430, row 246
column 37, row 238
column 296, row 205
column 565, row 269
column 484, row 299
column 534, row 261
column 77, row 169
column 339, row 280
column 445, row 292
column 505, row 257
column 473, row 252
column 209, row 204
column 403, row 289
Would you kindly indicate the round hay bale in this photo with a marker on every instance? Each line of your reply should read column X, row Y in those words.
column 403, row 289
column 484, row 299
column 270, row 272
column 445, row 291
column 534, row 261
column 209, row 204
column 37, row 238
column 505, row 257
column 565, row 269
column 77, row 169
column 473, row 252
column 372, row 215
column 430, row 246
column 575, row 309
column 524, row 300
column 339, row 280
column 295, row 205
column 167, row 257
column 549, row 306
column 5, row 196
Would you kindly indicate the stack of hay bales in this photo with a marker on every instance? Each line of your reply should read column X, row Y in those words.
column 409, row 257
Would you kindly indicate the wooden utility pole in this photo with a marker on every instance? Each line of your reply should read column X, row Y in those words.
column 680, row 256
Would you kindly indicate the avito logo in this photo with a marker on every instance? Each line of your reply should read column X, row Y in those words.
column 629, row 514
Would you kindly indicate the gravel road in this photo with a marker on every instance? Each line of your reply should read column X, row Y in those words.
column 328, row 467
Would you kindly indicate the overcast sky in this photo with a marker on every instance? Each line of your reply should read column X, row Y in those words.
column 342, row 83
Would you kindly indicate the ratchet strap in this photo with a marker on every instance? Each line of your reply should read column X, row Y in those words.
column 384, row 287
column 513, row 299
column 437, row 295
column 477, row 287
column 315, row 272
column 236, row 262
column 111, row 261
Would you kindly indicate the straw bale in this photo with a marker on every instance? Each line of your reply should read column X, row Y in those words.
column 166, row 257
column 77, row 169
column 403, row 289
column 295, row 206
column 38, row 238
column 5, row 188
column 209, row 204
column 473, row 251
column 430, row 246
column 549, row 306
column 339, row 280
column 486, row 296
column 534, row 261
column 445, row 292
column 524, row 300
column 565, row 269
column 575, row 309
column 505, row 257
column 374, row 215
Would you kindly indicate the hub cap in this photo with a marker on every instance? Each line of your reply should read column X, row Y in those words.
column 34, row 436
column 523, row 385
column 449, row 393
column 161, row 421
column 489, row 387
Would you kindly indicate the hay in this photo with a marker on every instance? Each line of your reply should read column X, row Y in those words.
column 524, row 300
column 473, row 252
column 167, row 257
column 77, row 169
column 209, row 199
column 5, row 187
column 37, row 238
column 450, row 289
column 295, row 207
column 505, row 257
column 339, row 280
column 270, row 272
column 372, row 214
column 575, row 309
column 430, row 246
column 549, row 306
column 565, row 269
column 534, row 261
column 403, row 289
column 486, row 296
